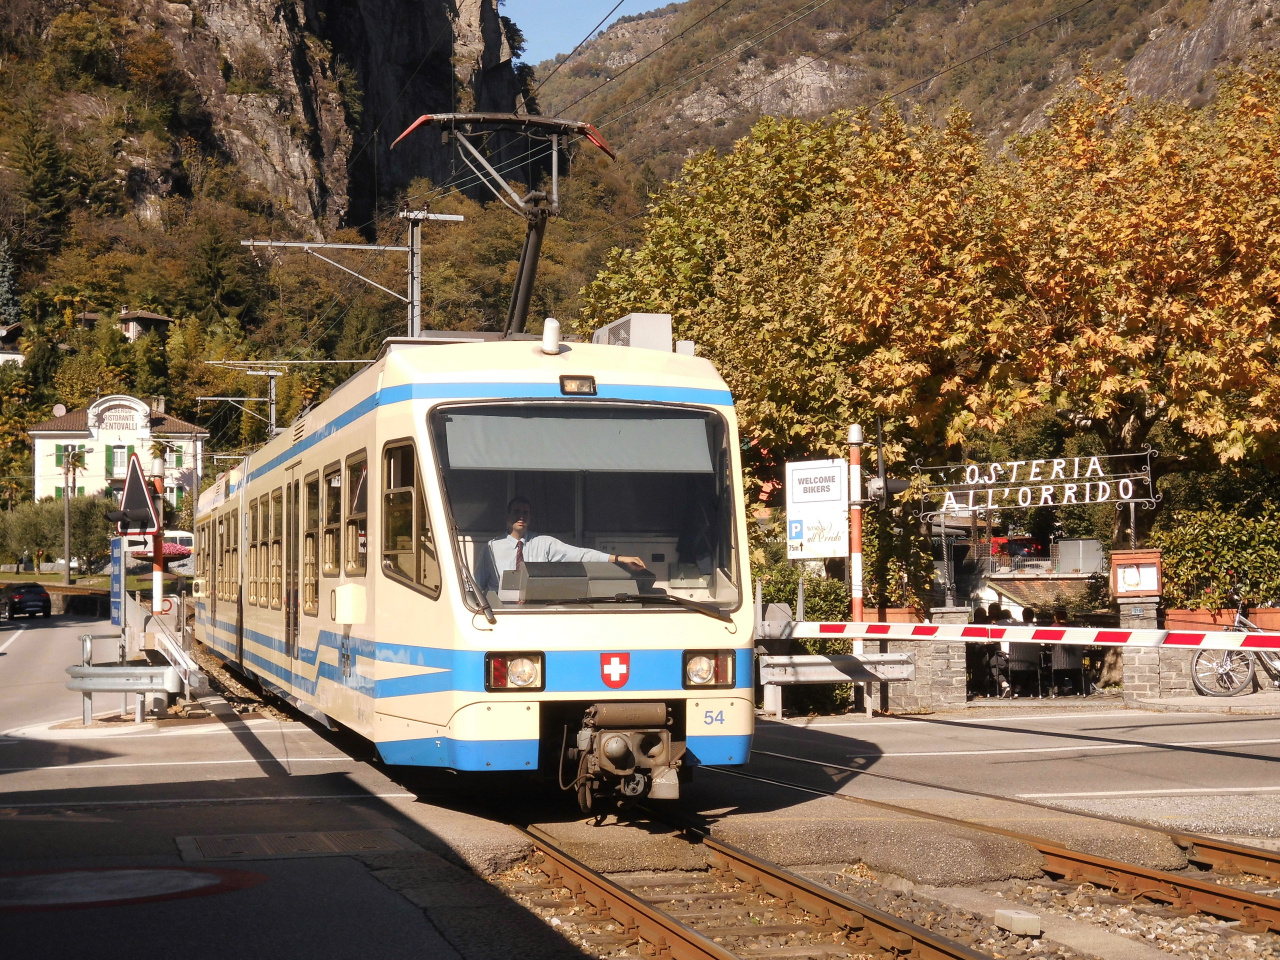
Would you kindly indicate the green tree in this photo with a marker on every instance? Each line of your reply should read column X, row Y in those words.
column 91, row 532
column 10, row 307
column 42, row 166
column 37, row 529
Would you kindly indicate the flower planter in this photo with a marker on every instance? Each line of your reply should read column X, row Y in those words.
column 1192, row 621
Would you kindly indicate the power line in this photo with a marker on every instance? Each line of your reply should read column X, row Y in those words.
column 589, row 35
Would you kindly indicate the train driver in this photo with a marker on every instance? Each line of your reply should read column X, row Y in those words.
column 519, row 546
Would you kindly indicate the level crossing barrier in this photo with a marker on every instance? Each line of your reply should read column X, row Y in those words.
column 1080, row 636
column 777, row 671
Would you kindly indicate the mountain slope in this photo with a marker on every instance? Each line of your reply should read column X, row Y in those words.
column 723, row 64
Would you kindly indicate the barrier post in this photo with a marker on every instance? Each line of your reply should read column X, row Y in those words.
column 87, row 641
column 855, row 523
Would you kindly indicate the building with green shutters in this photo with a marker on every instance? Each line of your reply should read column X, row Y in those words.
column 108, row 432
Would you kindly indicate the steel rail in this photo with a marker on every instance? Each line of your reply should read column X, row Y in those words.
column 1257, row 913
column 890, row 933
column 671, row 938
column 1222, row 856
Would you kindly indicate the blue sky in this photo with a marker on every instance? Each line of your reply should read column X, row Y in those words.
column 556, row 26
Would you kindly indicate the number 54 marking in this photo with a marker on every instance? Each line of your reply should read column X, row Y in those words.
column 713, row 716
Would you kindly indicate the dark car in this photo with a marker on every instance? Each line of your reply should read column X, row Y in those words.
column 28, row 598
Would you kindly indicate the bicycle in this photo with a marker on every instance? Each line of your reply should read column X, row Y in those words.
column 1226, row 673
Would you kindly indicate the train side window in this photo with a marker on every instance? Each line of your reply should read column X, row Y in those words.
column 357, row 537
column 311, row 548
column 251, row 545
column 233, row 576
column 409, row 550
column 222, row 558
column 332, row 519
column 264, row 548
column 277, row 537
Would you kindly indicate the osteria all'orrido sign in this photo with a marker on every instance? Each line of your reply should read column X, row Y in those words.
column 817, row 509
column 1052, row 482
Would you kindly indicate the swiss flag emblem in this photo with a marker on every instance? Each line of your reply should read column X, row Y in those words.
column 615, row 668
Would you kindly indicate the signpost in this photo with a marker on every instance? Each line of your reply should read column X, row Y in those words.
column 117, row 581
column 817, row 509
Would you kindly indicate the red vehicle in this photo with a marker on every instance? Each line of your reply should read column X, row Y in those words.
column 1017, row 547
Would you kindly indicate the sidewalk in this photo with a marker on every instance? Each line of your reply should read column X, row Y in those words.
column 1263, row 704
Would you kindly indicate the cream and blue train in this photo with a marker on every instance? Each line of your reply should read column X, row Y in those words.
column 342, row 563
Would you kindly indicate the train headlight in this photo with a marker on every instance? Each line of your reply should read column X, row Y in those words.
column 522, row 672
column 708, row 668
column 700, row 670
column 513, row 671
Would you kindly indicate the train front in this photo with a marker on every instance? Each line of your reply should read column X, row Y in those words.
column 601, row 591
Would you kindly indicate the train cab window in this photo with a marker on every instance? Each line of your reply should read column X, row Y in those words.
column 409, row 551
column 653, row 483
column 251, row 547
column 332, row 519
column 277, row 552
column 311, row 547
column 357, row 538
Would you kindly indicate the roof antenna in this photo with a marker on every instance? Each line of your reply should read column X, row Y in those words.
column 535, row 206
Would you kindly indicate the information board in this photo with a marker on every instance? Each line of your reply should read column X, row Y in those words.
column 117, row 581
column 817, row 509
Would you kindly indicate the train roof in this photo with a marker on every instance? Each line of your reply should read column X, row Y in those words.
column 470, row 368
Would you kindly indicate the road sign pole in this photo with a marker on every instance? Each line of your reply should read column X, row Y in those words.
column 157, row 541
column 855, row 522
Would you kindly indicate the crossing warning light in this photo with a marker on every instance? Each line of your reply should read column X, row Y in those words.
column 137, row 513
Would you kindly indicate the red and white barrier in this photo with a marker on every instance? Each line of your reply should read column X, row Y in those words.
column 1079, row 636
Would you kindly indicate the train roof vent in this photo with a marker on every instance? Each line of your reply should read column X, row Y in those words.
column 299, row 428
column 649, row 331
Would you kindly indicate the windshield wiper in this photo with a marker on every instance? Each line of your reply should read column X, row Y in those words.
column 475, row 589
column 665, row 599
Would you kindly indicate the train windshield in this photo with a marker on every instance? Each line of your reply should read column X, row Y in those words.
column 591, row 506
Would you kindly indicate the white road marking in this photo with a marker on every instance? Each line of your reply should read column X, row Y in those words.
column 1173, row 792
column 878, row 722
column 89, row 767
column 21, row 631
column 1079, row 748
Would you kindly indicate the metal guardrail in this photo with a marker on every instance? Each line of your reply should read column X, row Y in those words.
column 778, row 671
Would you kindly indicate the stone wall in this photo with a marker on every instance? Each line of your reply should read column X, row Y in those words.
column 940, row 682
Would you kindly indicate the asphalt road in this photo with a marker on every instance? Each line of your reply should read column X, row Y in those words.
column 1218, row 774
column 95, row 860
column 117, row 796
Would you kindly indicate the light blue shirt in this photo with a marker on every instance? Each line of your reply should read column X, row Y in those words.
column 540, row 549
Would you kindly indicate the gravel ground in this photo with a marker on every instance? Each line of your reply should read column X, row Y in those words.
column 243, row 698
column 862, row 884
column 1235, row 815
column 1197, row 936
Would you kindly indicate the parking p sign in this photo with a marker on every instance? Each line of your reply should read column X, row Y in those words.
column 817, row 509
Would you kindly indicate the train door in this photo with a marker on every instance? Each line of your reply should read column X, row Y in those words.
column 292, row 536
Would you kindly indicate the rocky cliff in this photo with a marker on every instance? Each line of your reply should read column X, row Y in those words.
column 307, row 95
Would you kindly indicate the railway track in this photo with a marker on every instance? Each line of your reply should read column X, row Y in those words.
column 1213, row 853
column 742, row 907
column 1255, row 912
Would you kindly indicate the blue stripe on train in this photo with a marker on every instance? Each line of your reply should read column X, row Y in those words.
column 523, row 754
column 358, row 649
column 481, row 391
column 567, row 671
column 461, row 754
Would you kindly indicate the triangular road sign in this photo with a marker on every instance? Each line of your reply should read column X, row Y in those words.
column 137, row 514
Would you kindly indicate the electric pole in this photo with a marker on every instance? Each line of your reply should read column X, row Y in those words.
column 413, row 302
